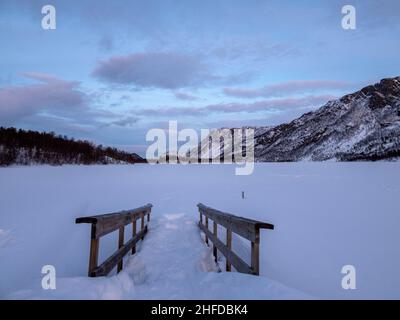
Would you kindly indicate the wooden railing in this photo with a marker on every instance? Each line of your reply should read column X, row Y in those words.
column 106, row 223
column 247, row 228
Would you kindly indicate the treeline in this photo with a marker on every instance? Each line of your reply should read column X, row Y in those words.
column 31, row 147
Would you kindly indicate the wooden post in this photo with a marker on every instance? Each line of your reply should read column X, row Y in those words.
column 120, row 245
column 207, row 229
column 215, row 252
column 93, row 256
column 94, row 251
column 229, row 245
column 201, row 217
column 133, row 234
column 148, row 216
column 142, row 224
column 255, row 254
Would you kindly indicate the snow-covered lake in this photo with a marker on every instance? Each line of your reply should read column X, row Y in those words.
column 326, row 215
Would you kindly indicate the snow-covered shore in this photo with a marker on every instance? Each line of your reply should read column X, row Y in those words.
column 172, row 263
column 326, row 215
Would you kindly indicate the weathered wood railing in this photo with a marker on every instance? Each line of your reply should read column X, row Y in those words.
column 106, row 223
column 247, row 228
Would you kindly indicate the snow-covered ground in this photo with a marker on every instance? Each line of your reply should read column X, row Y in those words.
column 326, row 215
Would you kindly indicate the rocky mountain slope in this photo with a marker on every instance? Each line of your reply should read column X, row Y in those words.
column 364, row 125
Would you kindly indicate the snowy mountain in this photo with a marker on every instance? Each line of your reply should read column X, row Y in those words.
column 364, row 125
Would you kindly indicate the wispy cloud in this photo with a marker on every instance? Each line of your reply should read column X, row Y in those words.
column 285, row 88
column 185, row 96
column 170, row 111
column 125, row 122
column 265, row 105
column 259, row 106
column 252, row 50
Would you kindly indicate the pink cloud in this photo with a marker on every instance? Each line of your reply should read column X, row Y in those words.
column 50, row 94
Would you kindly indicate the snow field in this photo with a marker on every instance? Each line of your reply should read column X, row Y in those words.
column 326, row 215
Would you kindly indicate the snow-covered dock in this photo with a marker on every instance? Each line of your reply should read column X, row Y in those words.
column 327, row 215
column 172, row 262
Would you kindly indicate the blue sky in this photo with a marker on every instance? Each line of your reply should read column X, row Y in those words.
column 112, row 70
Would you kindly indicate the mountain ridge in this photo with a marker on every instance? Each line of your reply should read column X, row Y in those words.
column 363, row 125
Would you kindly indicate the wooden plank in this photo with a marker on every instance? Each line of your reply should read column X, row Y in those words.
column 115, row 258
column 215, row 251
column 255, row 253
column 242, row 226
column 210, row 211
column 260, row 224
column 94, row 250
column 234, row 259
column 207, row 229
column 133, row 235
column 229, row 246
column 142, row 223
column 120, row 245
column 93, row 256
column 255, row 257
column 97, row 218
column 107, row 223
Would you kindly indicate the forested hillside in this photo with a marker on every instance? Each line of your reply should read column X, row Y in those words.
column 23, row 147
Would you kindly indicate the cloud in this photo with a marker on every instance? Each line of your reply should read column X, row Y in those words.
column 185, row 96
column 280, row 104
column 171, row 111
column 153, row 70
column 232, row 49
column 125, row 122
column 51, row 94
column 55, row 102
column 44, row 77
column 285, row 104
column 285, row 88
